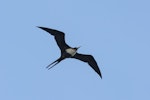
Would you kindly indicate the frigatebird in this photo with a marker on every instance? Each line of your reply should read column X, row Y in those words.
column 69, row 52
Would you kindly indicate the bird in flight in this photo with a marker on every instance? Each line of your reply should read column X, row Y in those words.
column 69, row 52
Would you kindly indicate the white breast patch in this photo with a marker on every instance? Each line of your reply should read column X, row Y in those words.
column 71, row 51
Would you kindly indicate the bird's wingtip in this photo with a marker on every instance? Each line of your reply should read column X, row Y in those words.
column 44, row 28
column 38, row 26
column 100, row 75
column 41, row 27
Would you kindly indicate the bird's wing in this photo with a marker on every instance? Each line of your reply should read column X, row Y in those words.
column 90, row 60
column 59, row 37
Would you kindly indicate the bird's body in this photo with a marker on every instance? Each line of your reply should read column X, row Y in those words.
column 69, row 52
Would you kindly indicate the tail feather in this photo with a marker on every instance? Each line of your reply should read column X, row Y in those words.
column 52, row 66
column 55, row 63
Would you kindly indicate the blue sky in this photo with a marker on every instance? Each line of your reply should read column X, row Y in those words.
column 115, row 32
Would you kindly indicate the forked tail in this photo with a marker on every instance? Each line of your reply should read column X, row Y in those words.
column 55, row 63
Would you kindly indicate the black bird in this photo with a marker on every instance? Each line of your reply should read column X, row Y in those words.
column 69, row 52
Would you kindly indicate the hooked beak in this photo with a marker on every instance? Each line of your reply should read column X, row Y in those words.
column 78, row 47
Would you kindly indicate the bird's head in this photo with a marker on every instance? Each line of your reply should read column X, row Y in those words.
column 77, row 47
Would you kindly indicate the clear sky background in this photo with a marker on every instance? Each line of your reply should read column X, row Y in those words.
column 115, row 32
